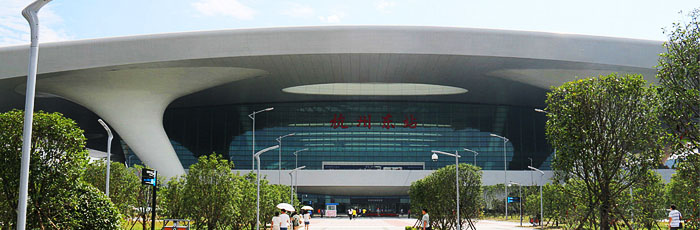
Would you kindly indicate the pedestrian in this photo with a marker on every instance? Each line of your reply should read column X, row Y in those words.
column 425, row 220
column 284, row 220
column 350, row 213
column 409, row 213
column 674, row 218
column 323, row 212
column 296, row 221
column 307, row 220
column 275, row 224
column 354, row 213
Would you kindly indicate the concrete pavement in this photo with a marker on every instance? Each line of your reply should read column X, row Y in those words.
column 383, row 223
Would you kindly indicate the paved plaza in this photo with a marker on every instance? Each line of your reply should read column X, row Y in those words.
column 392, row 224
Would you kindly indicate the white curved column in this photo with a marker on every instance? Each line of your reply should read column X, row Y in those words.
column 133, row 101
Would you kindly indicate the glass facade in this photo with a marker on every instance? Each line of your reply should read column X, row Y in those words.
column 362, row 134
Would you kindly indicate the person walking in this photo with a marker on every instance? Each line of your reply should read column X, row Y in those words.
column 284, row 220
column 307, row 220
column 296, row 221
column 425, row 220
column 354, row 213
column 674, row 218
column 350, row 213
column 275, row 224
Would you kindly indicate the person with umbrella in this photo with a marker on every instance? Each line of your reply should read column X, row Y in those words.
column 307, row 216
column 285, row 221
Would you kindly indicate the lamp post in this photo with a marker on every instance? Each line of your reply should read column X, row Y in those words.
column 30, row 13
column 456, row 155
column 541, row 182
column 532, row 181
column 279, row 162
column 130, row 156
column 295, row 164
column 257, row 200
column 475, row 154
column 520, row 200
column 252, row 116
column 109, row 153
column 505, row 167
column 291, row 191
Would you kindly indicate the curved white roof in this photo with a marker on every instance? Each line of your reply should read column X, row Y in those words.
column 148, row 72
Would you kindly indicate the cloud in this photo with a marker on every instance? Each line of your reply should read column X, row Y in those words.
column 385, row 6
column 14, row 29
column 335, row 17
column 231, row 8
column 299, row 11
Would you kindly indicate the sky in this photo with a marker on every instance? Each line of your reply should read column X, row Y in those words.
column 63, row 20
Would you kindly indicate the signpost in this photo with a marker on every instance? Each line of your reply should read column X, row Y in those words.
column 149, row 177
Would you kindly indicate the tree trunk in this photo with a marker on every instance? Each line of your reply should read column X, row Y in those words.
column 604, row 211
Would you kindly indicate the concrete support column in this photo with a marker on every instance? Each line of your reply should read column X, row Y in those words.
column 133, row 101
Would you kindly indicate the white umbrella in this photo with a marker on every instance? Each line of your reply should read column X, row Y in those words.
column 286, row 206
column 307, row 208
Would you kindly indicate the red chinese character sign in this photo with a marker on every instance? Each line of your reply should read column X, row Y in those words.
column 338, row 121
column 410, row 123
column 365, row 121
column 386, row 122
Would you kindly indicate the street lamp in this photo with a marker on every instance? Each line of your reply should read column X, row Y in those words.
column 295, row 163
column 279, row 163
column 109, row 152
column 545, row 112
column 257, row 200
column 505, row 167
column 456, row 155
column 30, row 13
column 252, row 116
column 541, row 182
column 130, row 156
column 475, row 154
column 520, row 200
column 532, row 181
column 291, row 192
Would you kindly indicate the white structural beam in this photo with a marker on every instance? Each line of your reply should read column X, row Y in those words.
column 133, row 101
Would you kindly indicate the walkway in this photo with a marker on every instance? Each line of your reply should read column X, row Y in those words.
column 370, row 223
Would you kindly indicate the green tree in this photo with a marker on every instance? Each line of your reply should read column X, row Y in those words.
column 679, row 77
column 436, row 191
column 94, row 209
column 684, row 191
column 607, row 134
column 270, row 196
column 58, row 157
column 173, row 198
column 648, row 200
column 210, row 181
column 123, row 184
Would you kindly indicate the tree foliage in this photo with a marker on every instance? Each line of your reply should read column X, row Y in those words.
column 210, row 181
column 679, row 77
column 123, row 184
column 607, row 134
column 216, row 198
column 684, row 191
column 436, row 191
column 647, row 200
column 58, row 199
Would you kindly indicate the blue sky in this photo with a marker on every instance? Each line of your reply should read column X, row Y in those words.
column 83, row 19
